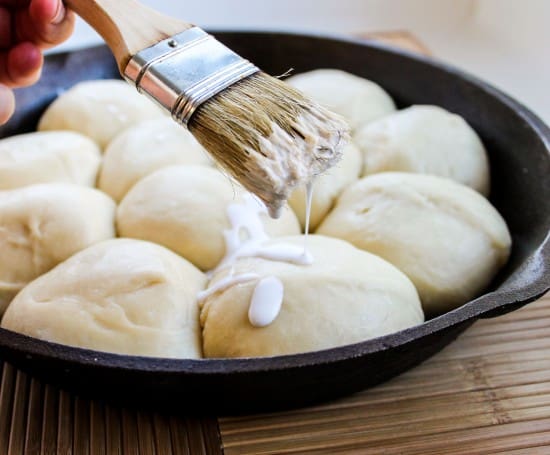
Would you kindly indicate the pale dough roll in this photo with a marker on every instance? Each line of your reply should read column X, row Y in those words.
column 447, row 238
column 54, row 156
column 142, row 149
column 184, row 208
column 99, row 109
column 327, row 187
column 345, row 297
column 42, row 225
column 426, row 140
column 357, row 99
column 122, row 296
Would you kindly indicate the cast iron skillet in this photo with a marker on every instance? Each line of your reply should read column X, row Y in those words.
column 519, row 147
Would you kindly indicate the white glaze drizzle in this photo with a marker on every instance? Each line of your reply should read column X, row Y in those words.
column 266, row 301
column 246, row 238
column 245, row 219
column 225, row 283
column 309, row 200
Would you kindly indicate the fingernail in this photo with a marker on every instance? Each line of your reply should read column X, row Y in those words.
column 7, row 104
column 59, row 14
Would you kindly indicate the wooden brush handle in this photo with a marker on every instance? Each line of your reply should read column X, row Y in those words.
column 127, row 26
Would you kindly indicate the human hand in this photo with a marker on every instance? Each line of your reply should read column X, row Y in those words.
column 27, row 27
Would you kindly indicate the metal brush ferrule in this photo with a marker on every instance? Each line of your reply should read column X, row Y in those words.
column 182, row 72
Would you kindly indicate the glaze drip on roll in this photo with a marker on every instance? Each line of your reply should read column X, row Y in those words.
column 246, row 238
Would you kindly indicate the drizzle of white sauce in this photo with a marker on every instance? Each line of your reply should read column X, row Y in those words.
column 309, row 200
column 246, row 222
column 245, row 239
column 281, row 252
column 266, row 302
column 225, row 283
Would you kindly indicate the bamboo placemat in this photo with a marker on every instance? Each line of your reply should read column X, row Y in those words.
column 487, row 393
column 40, row 419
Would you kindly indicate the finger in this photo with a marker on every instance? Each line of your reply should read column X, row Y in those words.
column 21, row 65
column 5, row 28
column 7, row 104
column 25, row 64
column 15, row 3
column 52, row 22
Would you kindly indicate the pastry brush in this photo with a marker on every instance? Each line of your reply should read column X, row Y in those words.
column 266, row 134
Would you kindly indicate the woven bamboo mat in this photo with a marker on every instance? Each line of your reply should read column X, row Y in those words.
column 40, row 419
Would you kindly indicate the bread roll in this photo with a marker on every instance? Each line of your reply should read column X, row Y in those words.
column 358, row 100
column 448, row 239
column 123, row 296
column 99, row 109
column 55, row 156
column 327, row 187
column 142, row 149
column 345, row 296
column 426, row 140
column 184, row 208
column 42, row 225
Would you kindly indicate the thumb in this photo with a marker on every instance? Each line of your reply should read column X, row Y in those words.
column 7, row 104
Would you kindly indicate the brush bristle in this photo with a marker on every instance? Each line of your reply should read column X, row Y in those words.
column 269, row 136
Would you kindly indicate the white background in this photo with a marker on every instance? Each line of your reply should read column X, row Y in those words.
column 506, row 42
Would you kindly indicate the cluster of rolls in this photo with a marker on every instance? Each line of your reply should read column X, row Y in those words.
column 113, row 219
